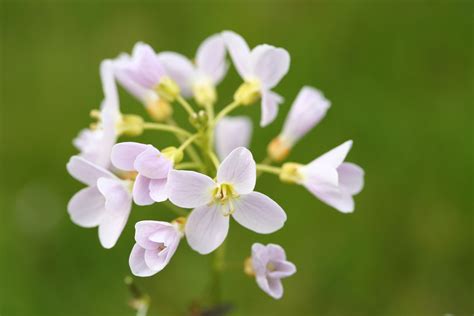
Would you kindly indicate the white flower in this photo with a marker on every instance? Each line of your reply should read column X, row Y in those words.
column 261, row 69
column 214, row 201
column 106, row 202
column 232, row 132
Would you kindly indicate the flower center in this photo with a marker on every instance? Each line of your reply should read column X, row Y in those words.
column 248, row 92
column 271, row 267
column 290, row 173
column 224, row 194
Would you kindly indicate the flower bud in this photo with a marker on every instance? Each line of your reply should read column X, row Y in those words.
column 204, row 93
column 160, row 110
column 131, row 125
column 278, row 149
column 248, row 267
column 248, row 92
column 167, row 89
column 173, row 154
column 290, row 173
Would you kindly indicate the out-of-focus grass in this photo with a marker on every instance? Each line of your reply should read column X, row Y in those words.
column 399, row 75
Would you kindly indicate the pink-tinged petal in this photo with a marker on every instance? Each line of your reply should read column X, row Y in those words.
column 269, row 64
column 270, row 103
column 180, row 69
column 334, row 157
column 141, row 191
column 276, row 252
column 239, row 52
column 87, row 207
column 275, row 288
column 111, row 227
column 137, row 262
column 238, row 169
column 145, row 229
column 333, row 196
column 86, row 171
column 351, row 177
column 189, row 189
column 260, row 259
column 282, row 269
column 152, row 164
column 259, row 213
column 157, row 260
column 146, row 68
column 206, row 228
column 210, row 58
column 134, row 88
column 124, row 154
column 108, row 84
column 308, row 109
column 158, row 190
column 232, row 132
column 262, row 283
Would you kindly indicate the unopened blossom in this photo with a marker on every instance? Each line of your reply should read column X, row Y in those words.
column 232, row 132
column 156, row 243
column 329, row 178
column 261, row 69
column 214, row 201
column 152, row 167
column 308, row 109
column 95, row 143
column 269, row 266
column 105, row 202
column 198, row 79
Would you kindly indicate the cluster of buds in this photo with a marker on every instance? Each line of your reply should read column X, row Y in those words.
column 210, row 171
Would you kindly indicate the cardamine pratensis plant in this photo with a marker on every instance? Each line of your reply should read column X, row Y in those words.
column 209, row 176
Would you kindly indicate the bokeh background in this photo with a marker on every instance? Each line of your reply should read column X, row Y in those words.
column 400, row 77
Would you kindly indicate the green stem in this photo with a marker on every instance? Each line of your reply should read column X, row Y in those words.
column 188, row 165
column 166, row 128
column 188, row 142
column 217, row 268
column 229, row 108
column 185, row 105
column 189, row 150
column 269, row 169
column 214, row 159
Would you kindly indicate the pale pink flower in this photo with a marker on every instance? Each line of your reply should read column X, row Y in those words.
column 156, row 243
column 95, row 144
column 232, row 132
column 261, row 68
column 106, row 202
column 152, row 167
column 214, row 201
column 270, row 266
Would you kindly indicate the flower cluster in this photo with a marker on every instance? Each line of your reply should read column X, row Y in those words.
column 211, row 171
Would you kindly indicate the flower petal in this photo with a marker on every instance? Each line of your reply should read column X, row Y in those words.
column 108, row 84
column 276, row 252
column 137, row 262
column 269, row 64
column 334, row 157
column 206, row 228
column 270, row 103
column 259, row 213
column 275, row 288
column 87, row 207
column 333, row 196
column 189, row 189
column 124, row 154
column 238, row 169
column 232, row 132
column 85, row 171
column 351, row 177
column 141, row 191
column 239, row 52
column 152, row 164
column 180, row 69
column 210, row 58
column 283, row 269
column 158, row 190
column 260, row 258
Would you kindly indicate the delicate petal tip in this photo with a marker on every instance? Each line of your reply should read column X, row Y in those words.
column 270, row 103
column 210, row 58
column 141, row 191
column 189, row 189
column 351, row 177
column 124, row 154
column 239, row 169
column 85, row 171
column 137, row 262
column 232, row 132
column 87, row 207
column 239, row 52
column 180, row 69
column 270, row 64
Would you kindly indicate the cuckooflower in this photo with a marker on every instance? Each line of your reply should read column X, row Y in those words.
column 269, row 265
column 308, row 109
column 198, row 79
column 232, row 132
column 105, row 202
column 156, row 243
column 152, row 166
column 329, row 178
column 261, row 69
column 214, row 201
column 95, row 143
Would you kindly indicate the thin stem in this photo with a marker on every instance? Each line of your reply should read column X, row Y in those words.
column 189, row 150
column 269, row 169
column 166, row 128
column 178, row 211
column 188, row 142
column 229, row 108
column 266, row 161
column 185, row 105
column 188, row 165
column 214, row 159
column 217, row 268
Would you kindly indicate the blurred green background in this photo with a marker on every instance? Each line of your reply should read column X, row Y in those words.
column 400, row 78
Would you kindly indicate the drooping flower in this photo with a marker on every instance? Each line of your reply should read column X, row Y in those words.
column 106, row 202
column 261, row 69
column 95, row 144
column 152, row 166
column 214, row 201
column 269, row 265
column 329, row 178
column 198, row 79
column 232, row 132
column 308, row 109
column 156, row 243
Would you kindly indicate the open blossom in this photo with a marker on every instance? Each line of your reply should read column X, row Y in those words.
column 152, row 167
column 261, row 69
column 156, row 243
column 105, row 202
column 329, row 178
column 95, row 144
column 198, row 79
column 308, row 109
column 214, row 201
column 232, row 132
column 269, row 265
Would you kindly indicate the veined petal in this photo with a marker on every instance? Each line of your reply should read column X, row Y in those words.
column 152, row 164
column 145, row 229
column 141, row 191
column 158, row 190
column 333, row 196
column 189, row 189
column 238, row 169
column 269, row 64
column 137, row 262
column 259, row 213
column 275, row 288
column 334, row 157
column 351, row 177
column 124, row 154
column 206, row 228
column 87, row 207
column 180, row 69
column 210, row 58
column 133, row 87
column 232, row 132
column 239, row 52
column 85, row 171
column 270, row 103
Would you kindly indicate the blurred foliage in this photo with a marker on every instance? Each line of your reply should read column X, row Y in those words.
column 400, row 77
